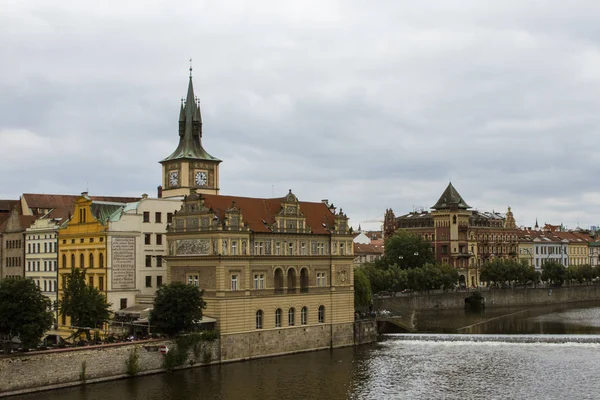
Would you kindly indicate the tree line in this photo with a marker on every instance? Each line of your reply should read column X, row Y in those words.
column 25, row 312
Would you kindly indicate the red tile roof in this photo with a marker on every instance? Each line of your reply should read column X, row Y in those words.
column 66, row 201
column 7, row 205
column 371, row 248
column 256, row 210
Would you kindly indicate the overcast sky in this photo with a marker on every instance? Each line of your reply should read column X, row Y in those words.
column 370, row 104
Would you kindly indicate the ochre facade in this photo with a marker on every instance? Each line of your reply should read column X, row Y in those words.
column 277, row 273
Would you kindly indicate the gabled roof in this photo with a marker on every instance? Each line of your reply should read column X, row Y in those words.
column 256, row 210
column 24, row 220
column 450, row 199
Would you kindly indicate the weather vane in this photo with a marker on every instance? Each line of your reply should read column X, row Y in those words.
column 190, row 67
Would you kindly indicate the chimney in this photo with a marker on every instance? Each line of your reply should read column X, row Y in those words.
column 159, row 192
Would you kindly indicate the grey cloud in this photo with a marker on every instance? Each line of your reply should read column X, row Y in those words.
column 370, row 106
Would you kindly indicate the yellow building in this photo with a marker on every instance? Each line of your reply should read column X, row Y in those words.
column 277, row 273
column 579, row 249
column 82, row 243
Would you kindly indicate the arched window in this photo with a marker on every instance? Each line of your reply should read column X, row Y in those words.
column 64, row 261
column 291, row 280
column 278, row 281
column 81, row 260
column 101, row 260
column 303, row 315
column 72, row 260
column 321, row 314
column 259, row 319
column 303, row 280
column 278, row 318
column 291, row 316
column 91, row 260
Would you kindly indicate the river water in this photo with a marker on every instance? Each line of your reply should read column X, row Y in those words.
column 549, row 353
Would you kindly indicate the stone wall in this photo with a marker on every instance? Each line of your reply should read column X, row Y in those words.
column 365, row 331
column 493, row 298
column 272, row 342
column 26, row 372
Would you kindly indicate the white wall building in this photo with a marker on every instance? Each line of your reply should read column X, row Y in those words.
column 548, row 248
column 135, row 250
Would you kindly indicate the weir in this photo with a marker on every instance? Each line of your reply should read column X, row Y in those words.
column 432, row 337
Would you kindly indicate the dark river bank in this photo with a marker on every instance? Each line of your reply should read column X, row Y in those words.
column 508, row 364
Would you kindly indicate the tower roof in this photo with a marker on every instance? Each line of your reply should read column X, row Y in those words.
column 450, row 199
column 190, row 130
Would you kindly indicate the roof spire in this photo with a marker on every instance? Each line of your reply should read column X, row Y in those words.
column 190, row 128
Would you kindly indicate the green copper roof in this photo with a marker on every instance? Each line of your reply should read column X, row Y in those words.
column 190, row 130
column 105, row 211
column 450, row 199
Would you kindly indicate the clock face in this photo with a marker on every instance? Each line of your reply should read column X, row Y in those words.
column 200, row 178
column 173, row 178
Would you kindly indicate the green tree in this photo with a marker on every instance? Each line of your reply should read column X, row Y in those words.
column 23, row 311
column 362, row 289
column 449, row 276
column 407, row 250
column 86, row 305
column 177, row 307
column 554, row 273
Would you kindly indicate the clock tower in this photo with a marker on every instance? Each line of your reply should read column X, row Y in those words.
column 190, row 166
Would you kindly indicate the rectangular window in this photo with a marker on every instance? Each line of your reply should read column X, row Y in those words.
column 193, row 280
column 321, row 281
column 45, row 247
column 278, row 249
column 101, row 283
column 259, row 281
column 234, row 282
column 321, row 249
column 159, row 260
column 148, row 261
column 146, row 216
column 444, row 249
column 342, row 250
column 159, row 280
column 234, row 247
column 158, row 239
column 169, row 218
column 290, row 248
column 303, row 248
column 148, row 281
column 147, row 238
column 91, row 281
column 157, row 217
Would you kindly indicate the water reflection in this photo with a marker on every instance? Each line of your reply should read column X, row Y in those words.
column 581, row 318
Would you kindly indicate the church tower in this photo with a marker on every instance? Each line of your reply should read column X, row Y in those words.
column 190, row 166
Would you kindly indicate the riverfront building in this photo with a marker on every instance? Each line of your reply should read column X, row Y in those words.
column 460, row 236
column 41, row 255
column 277, row 272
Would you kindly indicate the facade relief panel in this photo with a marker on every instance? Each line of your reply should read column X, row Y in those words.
column 192, row 247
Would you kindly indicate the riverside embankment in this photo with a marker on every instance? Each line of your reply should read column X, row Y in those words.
column 52, row 369
column 493, row 298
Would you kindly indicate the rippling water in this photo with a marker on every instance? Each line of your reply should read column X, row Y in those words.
column 401, row 367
